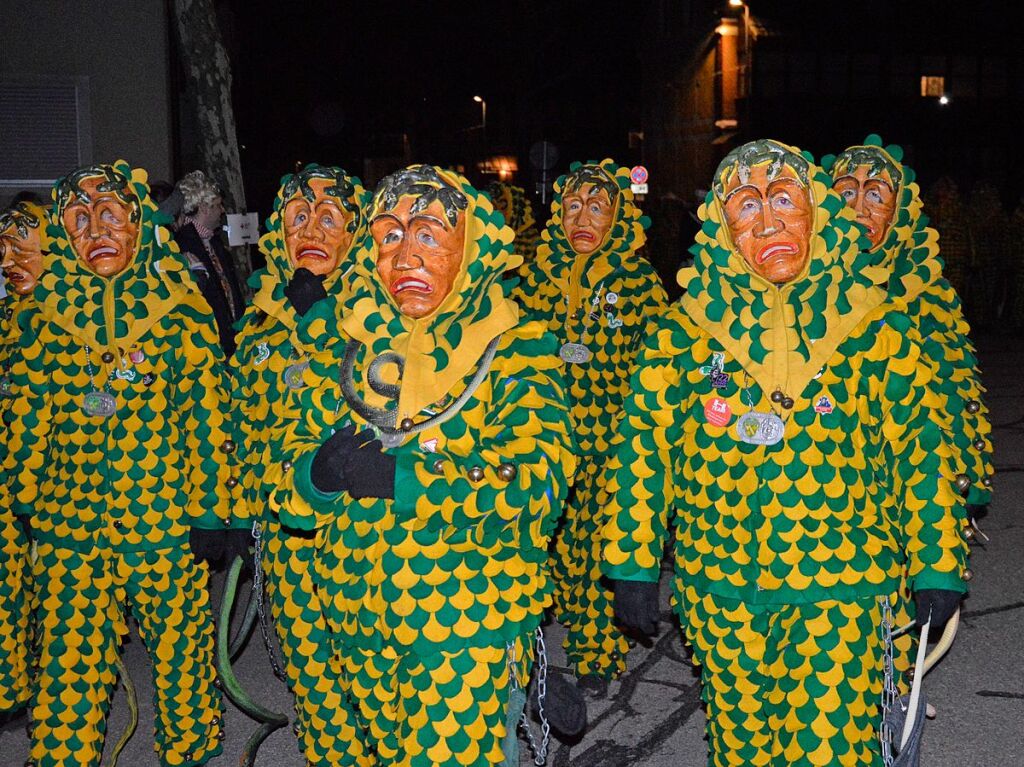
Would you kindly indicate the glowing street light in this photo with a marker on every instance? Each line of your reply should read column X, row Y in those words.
column 943, row 99
column 736, row 3
column 483, row 111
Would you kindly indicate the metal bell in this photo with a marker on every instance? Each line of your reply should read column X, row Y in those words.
column 438, row 466
column 987, row 482
column 475, row 474
column 979, row 444
column 968, row 533
column 406, row 424
column 227, row 446
column 787, row 403
column 231, row 483
column 107, row 357
column 777, row 396
column 286, row 465
column 968, row 574
column 973, row 406
column 507, row 471
column 963, row 483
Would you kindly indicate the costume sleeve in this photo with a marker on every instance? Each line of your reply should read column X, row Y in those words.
column 210, row 436
column 932, row 515
column 636, row 490
column 527, row 429
column 27, row 423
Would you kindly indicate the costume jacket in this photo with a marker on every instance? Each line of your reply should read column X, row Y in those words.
column 858, row 492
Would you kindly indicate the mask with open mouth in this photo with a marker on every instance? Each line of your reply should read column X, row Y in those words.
column 21, row 256
column 768, row 210
column 868, row 182
column 588, row 208
column 101, row 216
column 318, row 225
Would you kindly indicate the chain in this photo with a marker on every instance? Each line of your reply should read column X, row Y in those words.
column 257, row 594
column 890, row 695
column 588, row 320
column 88, row 369
column 540, row 753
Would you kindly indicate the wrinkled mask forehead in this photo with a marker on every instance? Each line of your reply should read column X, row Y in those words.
column 869, row 162
column 84, row 185
column 771, row 159
column 319, row 184
column 590, row 180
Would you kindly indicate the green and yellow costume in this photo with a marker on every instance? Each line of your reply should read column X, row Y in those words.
column 268, row 347
column 512, row 202
column 603, row 300
column 785, row 551
column 15, row 564
column 111, row 500
column 432, row 597
column 908, row 268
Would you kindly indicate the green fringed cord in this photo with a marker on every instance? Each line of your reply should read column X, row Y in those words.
column 269, row 720
column 133, row 712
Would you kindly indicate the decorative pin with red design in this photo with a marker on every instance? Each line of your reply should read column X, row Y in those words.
column 718, row 412
column 823, row 405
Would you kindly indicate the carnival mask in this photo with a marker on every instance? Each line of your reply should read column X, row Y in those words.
column 770, row 216
column 873, row 197
column 22, row 258
column 587, row 216
column 418, row 254
column 102, row 227
column 316, row 232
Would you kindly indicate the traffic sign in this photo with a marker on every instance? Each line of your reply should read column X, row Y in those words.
column 638, row 174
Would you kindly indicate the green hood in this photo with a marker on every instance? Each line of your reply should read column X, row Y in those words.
column 781, row 335
column 112, row 312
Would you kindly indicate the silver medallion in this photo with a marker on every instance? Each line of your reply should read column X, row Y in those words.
column 6, row 390
column 575, row 354
column 99, row 403
column 756, row 428
column 293, row 375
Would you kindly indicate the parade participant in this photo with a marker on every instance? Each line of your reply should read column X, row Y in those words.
column 117, row 457
column 316, row 224
column 946, row 213
column 22, row 240
column 511, row 201
column 596, row 293
column 882, row 191
column 431, row 540
column 764, row 411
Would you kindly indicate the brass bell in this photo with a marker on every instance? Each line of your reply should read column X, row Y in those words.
column 963, row 483
column 107, row 357
column 286, row 465
column 215, row 722
column 777, row 396
column 475, row 474
column 973, row 406
column 968, row 574
column 231, row 483
column 968, row 533
column 406, row 424
column 987, row 482
column 979, row 444
column 787, row 403
column 227, row 446
column 438, row 466
column 507, row 471
column 220, row 735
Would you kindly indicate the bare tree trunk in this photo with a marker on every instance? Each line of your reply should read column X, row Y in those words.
column 208, row 69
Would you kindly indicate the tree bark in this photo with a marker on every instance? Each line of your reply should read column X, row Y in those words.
column 208, row 69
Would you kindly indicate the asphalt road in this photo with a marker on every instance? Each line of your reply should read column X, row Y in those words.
column 653, row 716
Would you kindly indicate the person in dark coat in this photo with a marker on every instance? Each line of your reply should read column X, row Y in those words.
column 211, row 265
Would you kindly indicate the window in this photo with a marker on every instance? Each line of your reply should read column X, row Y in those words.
column 932, row 87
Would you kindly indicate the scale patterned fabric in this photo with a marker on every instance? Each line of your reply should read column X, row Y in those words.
column 263, row 402
column 15, row 567
column 911, row 273
column 603, row 300
column 857, row 495
column 453, row 570
column 125, row 488
column 513, row 203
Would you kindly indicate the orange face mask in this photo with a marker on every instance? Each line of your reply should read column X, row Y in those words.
column 316, row 232
column 102, row 231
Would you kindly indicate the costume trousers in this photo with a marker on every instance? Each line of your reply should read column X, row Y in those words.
column 327, row 724
column 448, row 708
column 594, row 643
column 84, row 599
column 788, row 685
column 15, row 618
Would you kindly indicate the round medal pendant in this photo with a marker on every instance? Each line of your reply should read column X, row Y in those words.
column 99, row 403
column 575, row 354
column 293, row 375
column 756, row 428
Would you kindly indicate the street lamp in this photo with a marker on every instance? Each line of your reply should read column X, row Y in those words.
column 483, row 111
column 736, row 3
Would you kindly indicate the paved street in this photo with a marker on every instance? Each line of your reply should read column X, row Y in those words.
column 653, row 716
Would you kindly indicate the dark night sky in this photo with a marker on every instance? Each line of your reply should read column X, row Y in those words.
column 335, row 82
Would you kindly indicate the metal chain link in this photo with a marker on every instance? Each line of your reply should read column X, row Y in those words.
column 257, row 594
column 890, row 695
column 540, row 753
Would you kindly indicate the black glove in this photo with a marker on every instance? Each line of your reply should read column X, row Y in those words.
column 206, row 545
column 236, row 544
column 369, row 472
column 941, row 603
column 636, row 605
column 565, row 705
column 304, row 289
column 328, row 467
